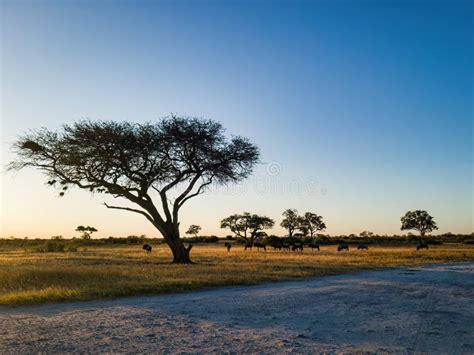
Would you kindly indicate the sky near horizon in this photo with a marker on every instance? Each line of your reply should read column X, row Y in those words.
column 362, row 110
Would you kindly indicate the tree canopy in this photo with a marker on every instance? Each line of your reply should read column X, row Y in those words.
column 291, row 221
column 420, row 221
column 140, row 162
column 86, row 231
column 248, row 227
column 193, row 229
column 311, row 223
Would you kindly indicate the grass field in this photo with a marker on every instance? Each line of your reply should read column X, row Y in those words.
column 28, row 277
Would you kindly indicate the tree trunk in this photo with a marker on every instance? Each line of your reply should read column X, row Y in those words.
column 181, row 253
column 422, row 234
column 179, row 250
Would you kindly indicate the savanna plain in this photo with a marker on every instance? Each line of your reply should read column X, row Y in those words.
column 101, row 272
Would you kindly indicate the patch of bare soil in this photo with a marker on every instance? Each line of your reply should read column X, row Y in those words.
column 426, row 309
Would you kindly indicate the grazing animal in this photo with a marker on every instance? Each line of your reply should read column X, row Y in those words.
column 228, row 246
column 277, row 246
column 257, row 245
column 297, row 246
column 314, row 246
column 343, row 246
column 286, row 246
column 147, row 248
column 362, row 246
column 260, row 245
column 422, row 246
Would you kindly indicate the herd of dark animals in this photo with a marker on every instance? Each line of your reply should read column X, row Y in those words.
column 292, row 246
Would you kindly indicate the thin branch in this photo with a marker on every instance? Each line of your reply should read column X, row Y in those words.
column 198, row 192
column 131, row 210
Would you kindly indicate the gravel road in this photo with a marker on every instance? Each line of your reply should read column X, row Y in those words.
column 423, row 309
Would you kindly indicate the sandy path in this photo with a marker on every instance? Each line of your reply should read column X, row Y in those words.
column 428, row 309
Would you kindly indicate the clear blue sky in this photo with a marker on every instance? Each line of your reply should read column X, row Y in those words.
column 365, row 107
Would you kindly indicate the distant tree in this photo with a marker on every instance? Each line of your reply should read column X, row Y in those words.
column 302, row 227
column 137, row 162
column 248, row 227
column 366, row 234
column 311, row 223
column 193, row 230
column 86, row 232
column 420, row 221
column 291, row 221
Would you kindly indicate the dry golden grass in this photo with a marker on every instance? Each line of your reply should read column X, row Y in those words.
column 114, row 271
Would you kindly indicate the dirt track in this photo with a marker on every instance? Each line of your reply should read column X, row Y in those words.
column 428, row 309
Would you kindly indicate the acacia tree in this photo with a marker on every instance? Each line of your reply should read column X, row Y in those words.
column 193, row 230
column 248, row 226
column 420, row 221
column 291, row 221
column 311, row 223
column 170, row 161
column 86, row 231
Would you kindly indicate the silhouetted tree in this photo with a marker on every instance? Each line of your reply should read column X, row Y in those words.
column 135, row 161
column 86, row 231
column 291, row 221
column 311, row 223
column 420, row 221
column 366, row 234
column 248, row 226
column 193, row 230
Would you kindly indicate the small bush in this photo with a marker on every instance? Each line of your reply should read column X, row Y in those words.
column 202, row 239
column 135, row 239
column 72, row 248
column 51, row 246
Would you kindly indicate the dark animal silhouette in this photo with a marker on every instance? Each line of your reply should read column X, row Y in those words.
column 260, row 245
column 313, row 246
column 362, row 246
column 147, row 248
column 228, row 246
column 297, row 246
column 257, row 245
column 343, row 246
column 286, row 246
column 422, row 246
column 277, row 246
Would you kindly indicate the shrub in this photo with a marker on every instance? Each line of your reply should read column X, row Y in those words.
column 51, row 246
column 202, row 239
column 273, row 240
column 72, row 248
column 135, row 239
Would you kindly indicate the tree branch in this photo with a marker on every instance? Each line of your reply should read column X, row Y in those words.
column 176, row 204
column 132, row 210
column 199, row 191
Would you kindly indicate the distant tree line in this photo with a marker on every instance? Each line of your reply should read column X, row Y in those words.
column 60, row 244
